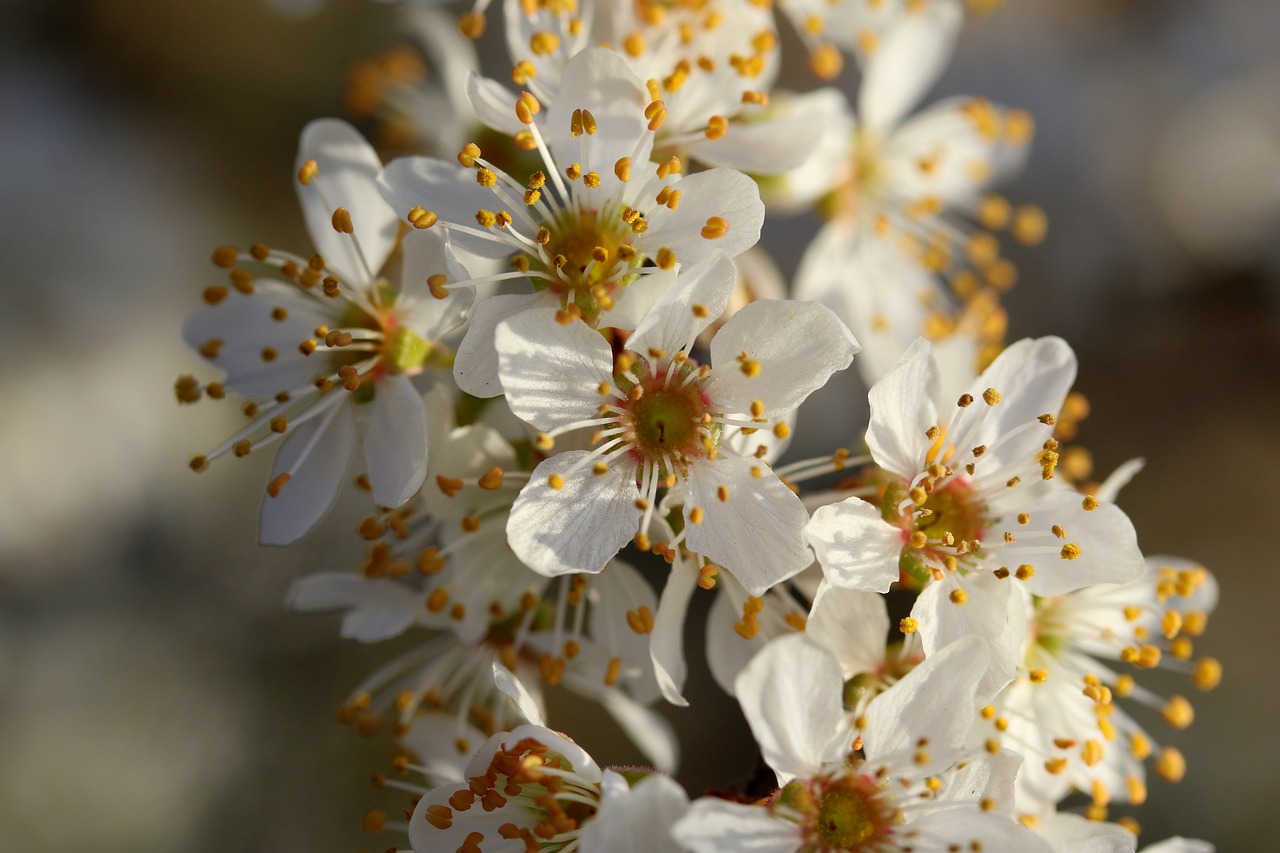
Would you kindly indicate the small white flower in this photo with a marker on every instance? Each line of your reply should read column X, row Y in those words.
column 970, row 504
column 1065, row 712
column 327, row 341
column 659, row 417
column 534, row 789
column 905, row 784
column 596, row 231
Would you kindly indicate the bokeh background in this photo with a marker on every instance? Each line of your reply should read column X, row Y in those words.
column 154, row 693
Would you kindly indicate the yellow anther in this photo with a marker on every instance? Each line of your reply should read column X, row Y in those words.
column 907, row 625
column 1091, row 752
column 958, row 596
column 1056, row 765
column 1070, row 551
column 555, row 481
column 522, row 73
column 544, row 43
column 1038, row 676
column 1178, row 712
column 991, row 396
column 781, row 430
column 421, row 218
column 696, row 515
column 527, row 106
column 342, row 221
column 278, row 483
column 1025, row 572
column 656, row 113
column 717, row 127
column 634, row 44
column 308, row 172
column 640, row 620
column 716, row 227
column 825, row 61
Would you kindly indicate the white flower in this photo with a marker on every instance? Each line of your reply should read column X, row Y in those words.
column 1064, row 711
column 710, row 64
column 659, row 418
column 327, row 341
column 583, row 229
column 912, row 787
column 970, row 502
column 532, row 788
column 1070, row 833
column 901, row 191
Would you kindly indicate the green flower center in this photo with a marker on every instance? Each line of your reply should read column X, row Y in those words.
column 666, row 421
column 845, row 818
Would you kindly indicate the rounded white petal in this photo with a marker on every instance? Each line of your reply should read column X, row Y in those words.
column 395, row 441
column 852, row 625
column 781, row 138
column 445, row 188
column 1032, row 378
column 856, row 548
column 377, row 608
column 755, row 530
column 986, row 613
column 1106, row 545
column 600, row 81
column 730, row 195
column 970, row 828
column 907, row 62
column 936, row 700
column 552, row 374
column 718, row 826
column 315, row 456
column 673, row 322
column 902, row 410
column 347, row 176
column 798, row 346
column 636, row 820
column 519, row 695
column 790, row 694
column 475, row 368
column 578, row 527
column 666, row 643
column 428, row 253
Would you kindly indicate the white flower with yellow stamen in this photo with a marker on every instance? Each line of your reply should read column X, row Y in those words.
column 327, row 339
column 969, row 503
column 598, row 231
column 712, row 64
column 1064, row 713
column 659, row 418
column 905, row 784
column 534, row 789
column 901, row 193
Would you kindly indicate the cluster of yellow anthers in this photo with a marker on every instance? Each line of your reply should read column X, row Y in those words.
column 556, row 800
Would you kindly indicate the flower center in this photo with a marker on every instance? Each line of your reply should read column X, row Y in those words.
column 956, row 514
column 847, row 812
column 589, row 256
column 845, row 817
column 668, row 417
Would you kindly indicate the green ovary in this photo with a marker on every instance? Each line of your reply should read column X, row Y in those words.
column 405, row 351
column 845, row 818
column 666, row 422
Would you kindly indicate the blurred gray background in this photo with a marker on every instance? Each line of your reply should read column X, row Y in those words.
column 154, row 694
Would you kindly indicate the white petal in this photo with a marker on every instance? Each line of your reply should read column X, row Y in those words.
column 377, row 608
column 671, row 324
column 790, row 694
column 447, row 189
column 718, row 826
column 616, row 590
column 797, row 344
column 315, row 456
column 755, row 532
column 579, row 527
column 1107, row 543
column 245, row 325
column 395, row 442
column 852, row 625
column 856, row 548
column 1070, row 833
column 780, row 139
column 973, row 829
column 728, row 652
column 433, row 738
column 666, row 643
column 600, row 81
column 515, row 690
column 1033, row 378
column 985, row 614
column 634, row 301
column 494, row 104
column 348, row 171
column 902, row 410
column 637, row 820
column 906, row 63
column 1179, row 845
column 552, row 374
column 475, row 368
column 427, row 253
column 936, row 700
column 730, row 195
column 750, row 444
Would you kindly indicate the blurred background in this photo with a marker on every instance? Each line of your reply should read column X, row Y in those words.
column 154, row 693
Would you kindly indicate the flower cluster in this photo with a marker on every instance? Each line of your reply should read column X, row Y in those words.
column 549, row 333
